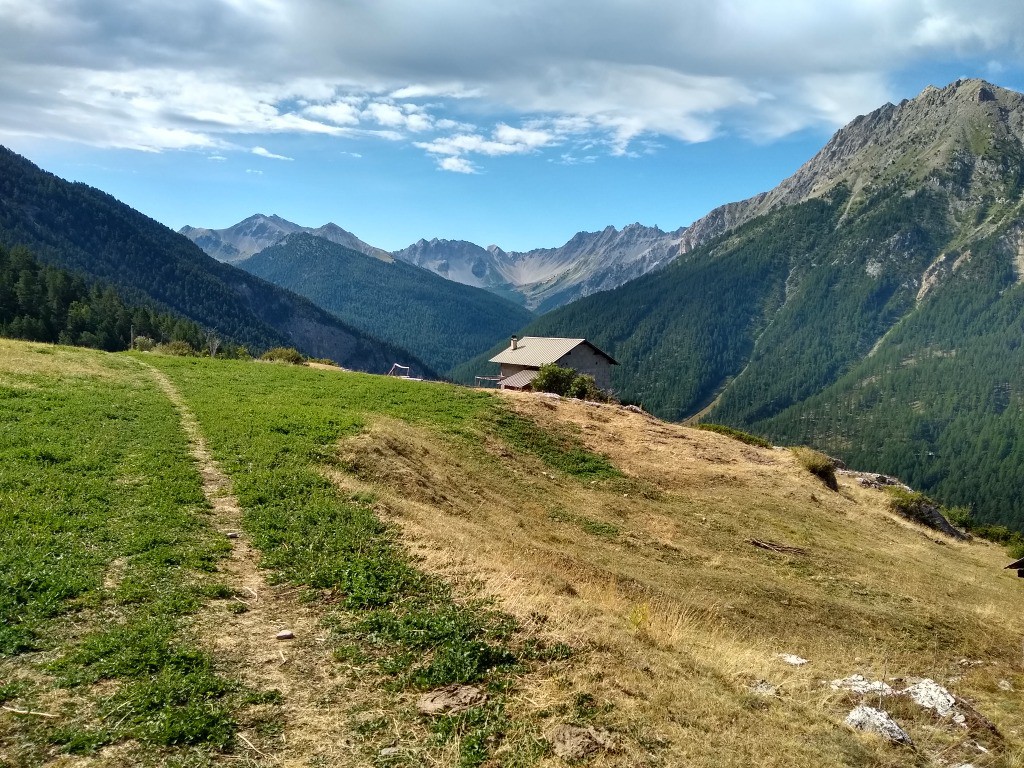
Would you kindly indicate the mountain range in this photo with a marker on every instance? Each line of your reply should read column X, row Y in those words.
column 547, row 278
column 540, row 280
column 252, row 235
column 89, row 233
column 871, row 305
column 443, row 322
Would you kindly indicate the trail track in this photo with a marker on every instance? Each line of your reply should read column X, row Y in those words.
column 317, row 701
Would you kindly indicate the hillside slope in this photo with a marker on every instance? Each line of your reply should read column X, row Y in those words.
column 582, row 564
column 443, row 321
column 88, row 232
column 905, row 230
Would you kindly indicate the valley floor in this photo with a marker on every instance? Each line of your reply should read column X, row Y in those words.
column 580, row 564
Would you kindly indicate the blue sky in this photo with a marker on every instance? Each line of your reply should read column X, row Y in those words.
column 510, row 123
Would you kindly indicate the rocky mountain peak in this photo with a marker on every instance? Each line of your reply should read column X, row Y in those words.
column 940, row 131
column 259, row 231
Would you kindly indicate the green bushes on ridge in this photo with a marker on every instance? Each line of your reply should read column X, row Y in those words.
column 567, row 383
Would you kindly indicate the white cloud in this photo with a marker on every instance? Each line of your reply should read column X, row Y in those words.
column 337, row 112
column 456, row 165
column 443, row 90
column 254, row 171
column 159, row 76
column 527, row 137
column 263, row 152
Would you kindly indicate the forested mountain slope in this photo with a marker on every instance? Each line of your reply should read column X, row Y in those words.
column 443, row 322
column 39, row 302
column 90, row 233
column 872, row 306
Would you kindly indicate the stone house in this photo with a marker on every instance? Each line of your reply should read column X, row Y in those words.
column 522, row 360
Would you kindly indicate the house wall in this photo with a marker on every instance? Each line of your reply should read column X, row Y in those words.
column 508, row 370
column 583, row 359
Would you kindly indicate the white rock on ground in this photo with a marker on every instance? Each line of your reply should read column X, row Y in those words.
column 930, row 695
column 792, row 658
column 871, row 720
column 763, row 688
column 860, row 684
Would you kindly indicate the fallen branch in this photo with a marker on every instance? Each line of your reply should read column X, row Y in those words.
column 33, row 712
column 772, row 546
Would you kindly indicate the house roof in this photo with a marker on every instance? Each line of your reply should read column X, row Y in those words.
column 1018, row 564
column 535, row 351
column 520, row 379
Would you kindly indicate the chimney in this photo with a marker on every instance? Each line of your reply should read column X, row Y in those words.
column 515, row 342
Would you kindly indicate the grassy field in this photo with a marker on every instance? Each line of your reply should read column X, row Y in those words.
column 106, row 553
column 579, row 563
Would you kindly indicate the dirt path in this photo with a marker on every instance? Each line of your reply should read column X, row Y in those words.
column 317, row 696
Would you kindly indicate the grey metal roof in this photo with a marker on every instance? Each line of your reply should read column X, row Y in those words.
column 520, row 379
column 536, row 351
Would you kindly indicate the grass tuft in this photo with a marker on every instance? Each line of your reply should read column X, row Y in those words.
column 735, row 434
column 819, row 465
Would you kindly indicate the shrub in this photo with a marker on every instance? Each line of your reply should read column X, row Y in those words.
column 584, row 387
column 143, row 343
column 912, row 505
column 735, row 434
column 819, row 465
column 567, row 383
column 283, row 355
column 999, row 534
column 554, row 378
column 176, row 348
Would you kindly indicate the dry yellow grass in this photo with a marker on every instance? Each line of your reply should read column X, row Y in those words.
column 677, row 614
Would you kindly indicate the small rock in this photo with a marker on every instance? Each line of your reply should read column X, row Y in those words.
column 389, row 751
column 1005, row 685
column 233, row 535
column 763, row 688
column 859, row 684
column 871, row 720
column 454, row 698
column 285, row 634
column 571, row 742
column 930, row 695
column 792, row 659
